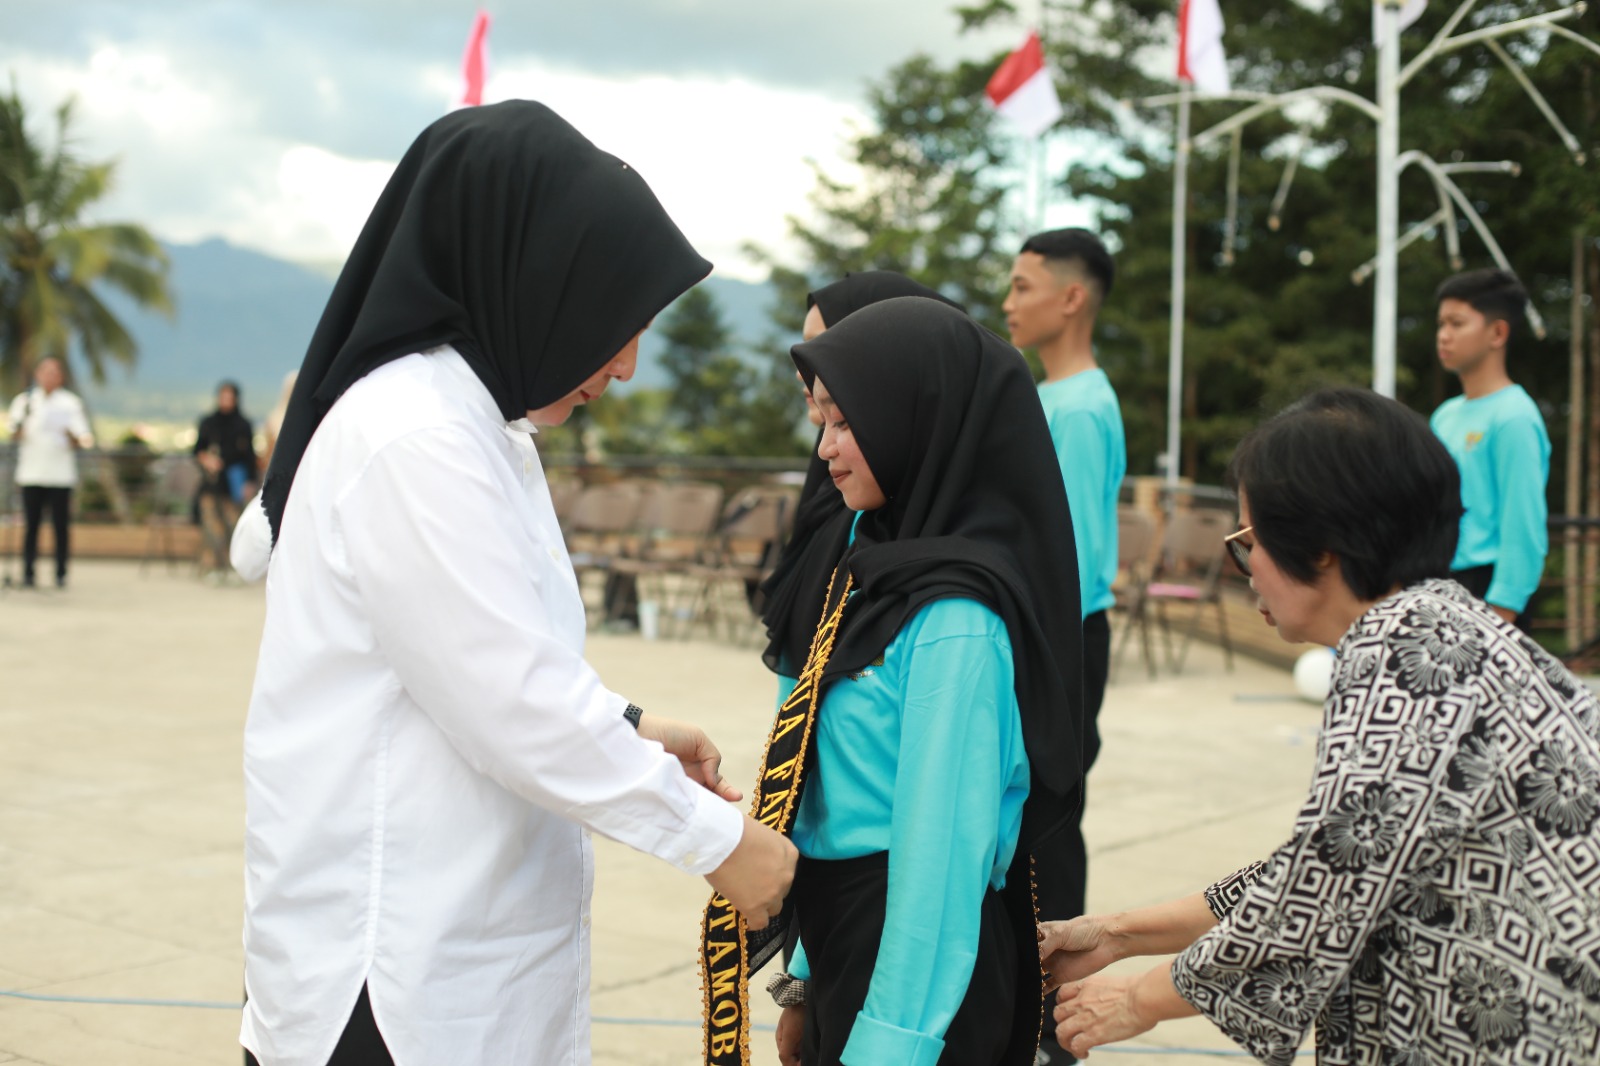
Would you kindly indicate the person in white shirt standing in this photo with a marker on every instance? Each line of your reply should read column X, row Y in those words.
column 48, row 425
column 427, row 751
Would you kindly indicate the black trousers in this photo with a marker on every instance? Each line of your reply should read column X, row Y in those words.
column 1068, row 864
column 360, row 1045
column 839, row 908
column 35, row 500
column 1096, row 666
column 1477, row 580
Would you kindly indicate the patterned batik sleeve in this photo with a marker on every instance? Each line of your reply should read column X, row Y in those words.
column 1364, row 843
column 1223, row 896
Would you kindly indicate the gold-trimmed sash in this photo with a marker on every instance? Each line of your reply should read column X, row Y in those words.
column 729, row 950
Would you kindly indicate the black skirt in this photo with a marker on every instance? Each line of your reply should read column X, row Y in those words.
column 839, row 914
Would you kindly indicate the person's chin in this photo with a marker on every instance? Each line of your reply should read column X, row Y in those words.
column 554, row 415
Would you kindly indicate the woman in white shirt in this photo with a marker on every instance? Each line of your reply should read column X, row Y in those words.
column 427, row 750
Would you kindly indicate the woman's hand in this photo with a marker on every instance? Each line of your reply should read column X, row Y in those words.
column 1098, row 1010
column 1075, row 949
column 791, row 1027
column 700, row 758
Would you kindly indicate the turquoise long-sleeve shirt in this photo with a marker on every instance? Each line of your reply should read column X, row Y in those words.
column 1500, row 444
column 1085, row 420
column 921, row 755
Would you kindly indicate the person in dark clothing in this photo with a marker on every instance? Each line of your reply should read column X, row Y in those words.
column 226, row 453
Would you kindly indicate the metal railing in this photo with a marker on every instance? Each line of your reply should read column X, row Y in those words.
column 122, row 485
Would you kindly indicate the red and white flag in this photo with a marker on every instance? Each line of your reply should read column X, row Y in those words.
column 475, row 63
column 1022, row 90
column 1410, row 12
column 1201, row 61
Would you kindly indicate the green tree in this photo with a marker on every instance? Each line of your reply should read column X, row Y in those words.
column 717, row 401
column 54, row 264
column 931, row 201
column 1282, row 315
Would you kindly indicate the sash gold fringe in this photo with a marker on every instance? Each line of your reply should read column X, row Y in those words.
column 723, row 931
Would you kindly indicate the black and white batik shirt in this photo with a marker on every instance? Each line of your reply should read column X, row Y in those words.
column 1439, row 901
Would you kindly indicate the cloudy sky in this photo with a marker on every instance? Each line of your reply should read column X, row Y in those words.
column 274, row 123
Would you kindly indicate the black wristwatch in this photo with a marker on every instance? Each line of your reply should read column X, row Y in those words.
column 633, row 714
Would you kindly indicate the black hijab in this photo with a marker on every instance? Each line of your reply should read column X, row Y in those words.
column 948, row 418
column 792, row 594
column 507, row 234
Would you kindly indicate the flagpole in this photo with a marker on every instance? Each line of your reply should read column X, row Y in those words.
column 1041, row 170
column 1041, row 158
column 1180, row 222
column 1385, row 311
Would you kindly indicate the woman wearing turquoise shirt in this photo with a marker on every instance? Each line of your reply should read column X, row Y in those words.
column 947, row 735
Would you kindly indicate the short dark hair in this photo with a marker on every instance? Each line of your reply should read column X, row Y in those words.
column 1350, row 473
column 1494, row 294
column 1075, row 245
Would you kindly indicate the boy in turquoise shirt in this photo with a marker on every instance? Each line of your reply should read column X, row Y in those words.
column 1058, row 282
column 1497, row 437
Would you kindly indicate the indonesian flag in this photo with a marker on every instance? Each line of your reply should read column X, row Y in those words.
column 475, row 63
column 1410, row 12
column 1200, row 58
column 1022, row 91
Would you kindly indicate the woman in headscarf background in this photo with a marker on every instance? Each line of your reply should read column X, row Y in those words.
column 792, row 595
column 426, row 749
column 950, row 710
column 224, row 446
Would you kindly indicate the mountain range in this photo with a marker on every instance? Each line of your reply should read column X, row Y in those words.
column 247, row 317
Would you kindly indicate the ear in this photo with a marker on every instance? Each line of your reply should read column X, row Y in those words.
column 1074, row 298
column 1499, row 332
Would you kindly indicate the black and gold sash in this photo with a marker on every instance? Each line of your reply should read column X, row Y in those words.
column 729, row 950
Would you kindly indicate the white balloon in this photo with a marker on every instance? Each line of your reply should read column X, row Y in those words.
column 1313, row 674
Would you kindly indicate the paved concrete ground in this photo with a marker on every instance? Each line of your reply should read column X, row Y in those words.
column 121, row 704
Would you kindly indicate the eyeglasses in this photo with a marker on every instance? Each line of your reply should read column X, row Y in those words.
column 1238, row 551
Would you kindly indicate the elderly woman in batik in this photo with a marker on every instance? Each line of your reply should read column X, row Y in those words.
column 1438, row 899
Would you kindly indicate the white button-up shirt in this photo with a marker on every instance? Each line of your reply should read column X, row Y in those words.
column 427, row 750
column 47, row 420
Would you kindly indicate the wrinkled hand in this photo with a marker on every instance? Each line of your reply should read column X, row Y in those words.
column 757, row 876
column 700, row 758
column 1097, row 1010
column 1072, row 950
column 791, row 1028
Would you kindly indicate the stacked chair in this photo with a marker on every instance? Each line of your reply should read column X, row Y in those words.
column 1187, row 574
column 675, row 550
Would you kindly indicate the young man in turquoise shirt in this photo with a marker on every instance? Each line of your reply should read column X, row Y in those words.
column 1058, row 282
column 1496, row 434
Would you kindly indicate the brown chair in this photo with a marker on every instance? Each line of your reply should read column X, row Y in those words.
column 564, row 493
column 745, row 548
column 11, row 518
column 1189, row 572
column 1136, row 541
column 602, row 518
column 176, row 482
column 676, row 524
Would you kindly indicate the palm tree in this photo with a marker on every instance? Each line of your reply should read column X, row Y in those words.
column 53, row 264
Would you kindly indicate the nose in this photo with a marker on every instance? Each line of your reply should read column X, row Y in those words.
column 827, row 447
column 1005, row 308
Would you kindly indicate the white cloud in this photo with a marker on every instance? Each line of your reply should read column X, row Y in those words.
column 726, row 157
